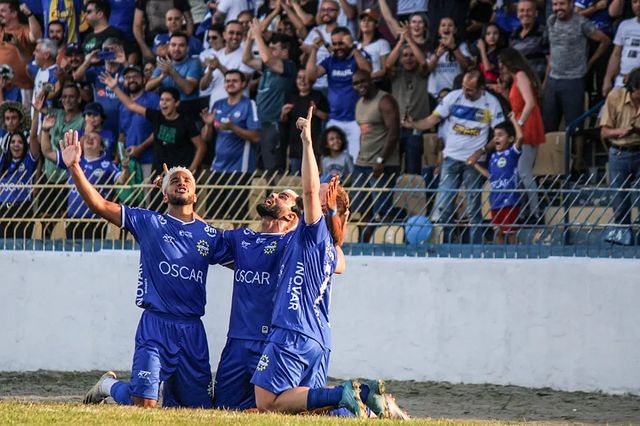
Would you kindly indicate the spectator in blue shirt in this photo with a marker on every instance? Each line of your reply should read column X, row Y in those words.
column 179, row 71
column 174, row 19
column 91, row 70
column 235, row 120
column 340, row 67
column 8, row 90
column 93, row 122
column 135, row 129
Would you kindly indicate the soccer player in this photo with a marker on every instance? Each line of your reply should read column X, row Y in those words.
column 292, row 370
column 175, row 253
column 257, row 259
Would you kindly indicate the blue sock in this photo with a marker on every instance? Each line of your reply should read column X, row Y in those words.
column 121, row 394
column 323, row 397
column 364, row 392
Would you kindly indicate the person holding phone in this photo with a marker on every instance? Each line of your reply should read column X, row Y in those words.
column 97, row 16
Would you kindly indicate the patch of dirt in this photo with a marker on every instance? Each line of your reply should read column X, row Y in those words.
column 422, row 399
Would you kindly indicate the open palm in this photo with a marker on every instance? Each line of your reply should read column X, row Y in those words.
column 71, row 149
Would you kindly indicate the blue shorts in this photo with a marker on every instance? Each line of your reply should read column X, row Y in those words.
column 174, row 351
column 232, row 388
column 291, row 359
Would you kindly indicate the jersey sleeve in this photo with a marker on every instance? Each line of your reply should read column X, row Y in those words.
column 220, row 252
column 444, row 108
column 135, row 220
column 315, row 233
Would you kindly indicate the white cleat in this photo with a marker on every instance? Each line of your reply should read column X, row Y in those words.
column 95, row 394
column 394, row 410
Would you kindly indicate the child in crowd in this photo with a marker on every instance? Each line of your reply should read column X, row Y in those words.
column 98, row 168
column 488, row 47
column 93, row 120
column 503, row 177
column 17, row 167
column 336, row 160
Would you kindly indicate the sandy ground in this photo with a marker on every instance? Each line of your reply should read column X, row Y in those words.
column 421, row 399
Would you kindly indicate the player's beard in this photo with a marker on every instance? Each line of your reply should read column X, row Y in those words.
column 181, row 200
column 273, row 211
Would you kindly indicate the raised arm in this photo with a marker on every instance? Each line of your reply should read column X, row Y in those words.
column 129, row 103
column 138, row 34
column 275, row 64
column 312, row 208
column 247, row 55
column 71, row 153
column 45, row 138
column 35, row 30
column 387, row 14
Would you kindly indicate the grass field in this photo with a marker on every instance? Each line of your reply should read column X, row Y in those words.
column 51, row 413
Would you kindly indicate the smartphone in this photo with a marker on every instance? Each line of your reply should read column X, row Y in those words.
column 106, row 55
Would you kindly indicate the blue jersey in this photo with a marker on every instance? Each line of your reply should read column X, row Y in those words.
column 257, row 257
column 108, row 142
column 341, row 94
column 18, row 172
column 136, row 128
column 304, row 283
column 234, row 154
column 174, row 261
column 100, row 171
column 503, row 176
column 187, row 68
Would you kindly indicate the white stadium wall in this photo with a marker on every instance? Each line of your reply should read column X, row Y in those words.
column 565, row 323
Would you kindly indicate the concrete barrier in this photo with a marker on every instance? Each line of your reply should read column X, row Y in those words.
column 566, row 323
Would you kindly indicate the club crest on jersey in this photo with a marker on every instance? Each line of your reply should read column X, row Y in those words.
column 502, row 162
column 210, row 231
column 203, row 248
column 162, row 220
column 97, row 173
column 271, row 247
column 245, row 244
column 263, row 363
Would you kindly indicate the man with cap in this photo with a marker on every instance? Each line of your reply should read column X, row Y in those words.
column 15, row 119
column 135, row 129
column 176, row 250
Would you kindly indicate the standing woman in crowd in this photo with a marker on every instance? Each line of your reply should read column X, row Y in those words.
column 371, row 41
column 449, row 57
column 418, row 25
column 488, row 46
column 17, row 166
column 523, row 98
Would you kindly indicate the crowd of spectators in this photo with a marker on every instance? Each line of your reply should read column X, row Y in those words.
column 216, row 86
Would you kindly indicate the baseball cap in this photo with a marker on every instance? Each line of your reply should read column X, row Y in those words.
column 130, row 68
column 72, row 49
column 371, row 13
column 94, row 108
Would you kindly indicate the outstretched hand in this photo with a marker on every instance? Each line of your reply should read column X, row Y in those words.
column 71, row 148
column 332, row 194
column 304, row 125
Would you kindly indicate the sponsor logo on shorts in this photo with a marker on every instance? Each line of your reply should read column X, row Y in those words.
column 271, row 247
column 263, row 363
column 265, row 329
column 203, row 248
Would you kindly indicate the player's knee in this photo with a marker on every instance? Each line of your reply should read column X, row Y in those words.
column 144, row 402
